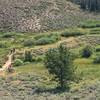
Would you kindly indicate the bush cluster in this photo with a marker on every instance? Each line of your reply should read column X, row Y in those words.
column 18, row 62
column 3, row 45
column 95, row 31
column 47, row 39
column 71, row 33
column 90, row 24
column 28, row 56
column 40, row 36
column 87, row 51
column 98, row 49
column 8, row 35
column 38, row 58
column 97, row 59
column 28, row 42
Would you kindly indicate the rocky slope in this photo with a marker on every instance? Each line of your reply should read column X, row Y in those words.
column 40, row 15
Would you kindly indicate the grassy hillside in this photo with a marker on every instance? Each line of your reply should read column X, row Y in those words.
column 40, row 15
column 32, row 80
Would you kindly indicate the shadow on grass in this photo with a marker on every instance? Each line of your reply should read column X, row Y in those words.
column 56, row 90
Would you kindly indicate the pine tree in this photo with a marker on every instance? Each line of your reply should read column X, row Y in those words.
column 59, row 62
column 28, row 56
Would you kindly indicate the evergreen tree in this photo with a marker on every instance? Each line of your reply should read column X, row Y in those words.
column 91, row 5
column 59, row 61
column 28, row 56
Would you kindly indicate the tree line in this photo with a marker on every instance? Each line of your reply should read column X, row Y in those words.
column 91, row 5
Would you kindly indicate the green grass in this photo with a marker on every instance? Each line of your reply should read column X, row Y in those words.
column 90, row 24
column 94, row 30
column 36, row 68
column 85, row 67
column 46, row 39
column 87, row 71
column 71, row 33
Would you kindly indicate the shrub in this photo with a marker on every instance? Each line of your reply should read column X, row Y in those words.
column 38, row 58
column 43, row 41
column 39, row 36
column 98, row 49
column 8, row 35
column 90, row 24
column 28, row 43
column 71, row 33
column 87, row 51
column 18, row 62
column 47, row 39
column 97, row 60
column 95, row 31
column 0, row 66
column 3, row 45
column 58, row 61
column 28, row 56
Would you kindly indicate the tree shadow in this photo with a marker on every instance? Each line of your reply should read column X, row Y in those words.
column 57, row 90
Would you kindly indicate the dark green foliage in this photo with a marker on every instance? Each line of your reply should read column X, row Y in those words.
column 0, row 66
column 3, row 45
column 95, row 31
column 18, row 62
column 87, row 51
column 97, row 59
column 58, row 61
column 90, row 24
column 38, row 58
column 28, row 56
column 46, row 39
column 71, row 33
column 91, row 5
column 40, row 36
column 28, row 43
column 98, row 49
column 8, row 35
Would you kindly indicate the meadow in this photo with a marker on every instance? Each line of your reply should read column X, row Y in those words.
column 31, row 78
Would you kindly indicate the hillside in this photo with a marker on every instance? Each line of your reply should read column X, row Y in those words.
column 40, row 15
column 49, row 50
column 31, row 80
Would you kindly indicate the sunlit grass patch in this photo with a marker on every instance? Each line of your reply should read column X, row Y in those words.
column 90, row 24
column 83, row 61
column 37, row 68
column 87, row 69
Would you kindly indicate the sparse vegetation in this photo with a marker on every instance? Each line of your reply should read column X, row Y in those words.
column 34, row 29
column 28, row 15
column 71, row 33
